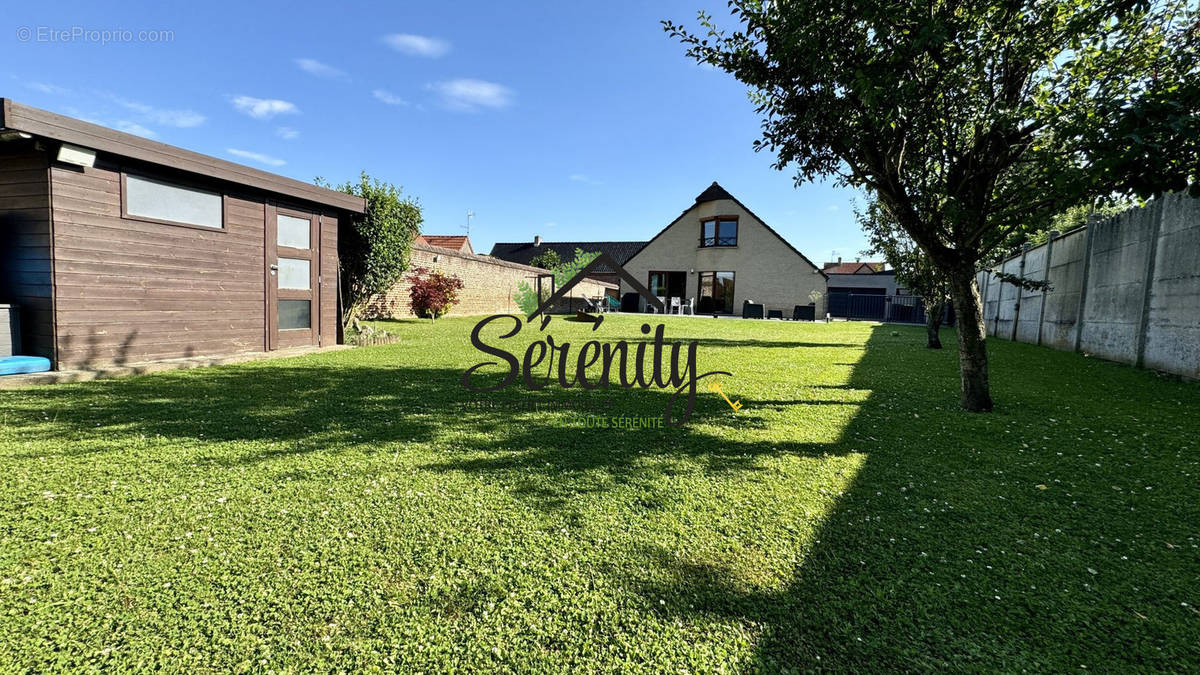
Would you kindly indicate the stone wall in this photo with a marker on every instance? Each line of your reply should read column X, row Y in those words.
column 489, row 285
column 1126, row 289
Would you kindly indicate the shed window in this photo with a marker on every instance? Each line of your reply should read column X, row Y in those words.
column 172, row 203
column 295, row 314
column 294, row 273
column 293, row 232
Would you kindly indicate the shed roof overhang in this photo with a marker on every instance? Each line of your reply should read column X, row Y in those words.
column 44, row 124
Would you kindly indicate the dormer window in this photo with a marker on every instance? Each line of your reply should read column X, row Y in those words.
column 719, row 231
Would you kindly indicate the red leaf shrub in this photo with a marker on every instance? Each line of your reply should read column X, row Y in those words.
column 432, row 293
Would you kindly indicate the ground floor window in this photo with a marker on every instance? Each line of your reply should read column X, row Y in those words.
column 668, row 284
column 716, row 292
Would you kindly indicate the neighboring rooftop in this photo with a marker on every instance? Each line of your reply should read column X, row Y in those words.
column 856, row 267
column 454, row 242
column 524, row 252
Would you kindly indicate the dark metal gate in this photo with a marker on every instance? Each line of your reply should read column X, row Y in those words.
column 872, row 307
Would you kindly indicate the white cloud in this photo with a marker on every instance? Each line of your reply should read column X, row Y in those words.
column 831, row 208
column 167, row 117
column 264, row 108
column 417, row 45
column 286, row 133
column 582, row 178
column 469, row 95
column 134, row 128
column 48, row 88
column 388, row 97
column 315, row 67
column 256, row 157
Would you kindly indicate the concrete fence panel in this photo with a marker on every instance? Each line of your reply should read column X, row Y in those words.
column 1061, row 317
column 1125, row 288
column 1172, row 331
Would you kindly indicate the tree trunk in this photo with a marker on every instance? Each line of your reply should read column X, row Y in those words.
column 933, row 322
column 972, row 341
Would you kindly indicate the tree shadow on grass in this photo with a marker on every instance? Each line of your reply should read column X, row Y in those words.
column 1004, row 541
column 982, row 541
column 280, row 410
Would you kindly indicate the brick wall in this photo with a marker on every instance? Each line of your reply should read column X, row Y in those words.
column 489, row 284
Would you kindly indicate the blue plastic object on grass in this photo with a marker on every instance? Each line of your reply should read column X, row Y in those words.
column 15, row 365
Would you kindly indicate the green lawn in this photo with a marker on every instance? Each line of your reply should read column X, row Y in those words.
column 354, row 509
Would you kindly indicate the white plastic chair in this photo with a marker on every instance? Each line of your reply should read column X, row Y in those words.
column 660, row 299
column 675, row 307
column 690, row 306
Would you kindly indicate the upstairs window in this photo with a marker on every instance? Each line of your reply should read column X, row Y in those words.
column 164, row 202
column 720, row 231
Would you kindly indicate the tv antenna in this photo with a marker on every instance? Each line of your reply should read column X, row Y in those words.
column 467, row 227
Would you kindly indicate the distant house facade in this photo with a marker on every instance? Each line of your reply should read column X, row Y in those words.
column 524, row 253
column 719, row 254
column 119, row 249
column 862, row 277
column 848, row 280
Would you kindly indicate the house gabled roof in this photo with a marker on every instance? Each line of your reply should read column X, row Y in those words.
column 524, row 252
column 714, row 193
column 44, row 124
column 454, row 242
column 854, row 268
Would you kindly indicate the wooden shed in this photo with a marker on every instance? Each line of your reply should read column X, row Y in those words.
column 119, row 249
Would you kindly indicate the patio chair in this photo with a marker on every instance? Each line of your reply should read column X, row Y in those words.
column 611, row 304
column 673, row 308
column 775, row 314
column 661, row 299
column 690, row 306
column 751, row 310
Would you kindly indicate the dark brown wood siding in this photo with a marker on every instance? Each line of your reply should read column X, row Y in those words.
column 329, row 279
column 129, row 290
column 25, row 255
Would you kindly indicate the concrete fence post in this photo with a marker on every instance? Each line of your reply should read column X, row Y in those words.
column 1148, row 284
column 1093, row 222
column 1020, row 290
column 999, row 303
column 1046, row 282
column 987, row 280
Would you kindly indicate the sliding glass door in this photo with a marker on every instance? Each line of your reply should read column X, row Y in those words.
column 716, row 292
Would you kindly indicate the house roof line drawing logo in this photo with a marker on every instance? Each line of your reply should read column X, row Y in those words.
column 605, row 260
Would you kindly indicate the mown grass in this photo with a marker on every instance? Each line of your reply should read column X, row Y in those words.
column 354, row 509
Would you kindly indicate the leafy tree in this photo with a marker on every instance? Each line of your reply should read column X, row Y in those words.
column 968, row 120
column 526, row 297
column 374, row 249
column 564, row 272
column 432, row 293
column 1064, row 221
column 914, row 270
column 546, row 260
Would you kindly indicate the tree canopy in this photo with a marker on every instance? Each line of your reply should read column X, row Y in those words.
column 968, row 120
column 374, row 250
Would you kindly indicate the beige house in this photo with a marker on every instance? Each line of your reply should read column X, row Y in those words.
column 717, row 255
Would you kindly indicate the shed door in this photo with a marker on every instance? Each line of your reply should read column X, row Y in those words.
column 293, row 278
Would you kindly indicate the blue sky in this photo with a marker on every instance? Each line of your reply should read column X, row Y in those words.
column 568, row 120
